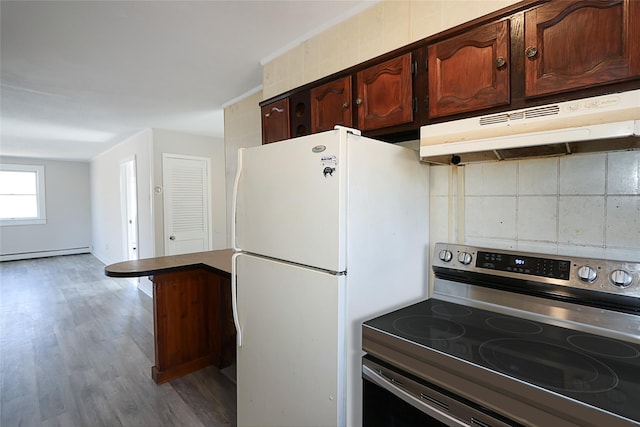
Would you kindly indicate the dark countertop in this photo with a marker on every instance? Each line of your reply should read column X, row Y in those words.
column 218, row 260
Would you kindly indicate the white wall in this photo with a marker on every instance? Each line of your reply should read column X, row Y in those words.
column 165, row 141
column 242, row 128
column 68, row 226
column 585, row 205
column 106, row 202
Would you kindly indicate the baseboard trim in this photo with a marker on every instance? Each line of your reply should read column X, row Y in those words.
column 44, row 254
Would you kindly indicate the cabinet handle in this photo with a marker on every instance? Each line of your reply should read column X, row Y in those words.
column 500, row 62
column 531, row 52
column 172, row 237
column 345, row 105
column 359, row 101
column 276, row 109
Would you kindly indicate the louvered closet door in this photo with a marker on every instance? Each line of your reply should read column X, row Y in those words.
column 186, row 204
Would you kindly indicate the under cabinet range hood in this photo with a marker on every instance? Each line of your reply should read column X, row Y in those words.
column 602, row 123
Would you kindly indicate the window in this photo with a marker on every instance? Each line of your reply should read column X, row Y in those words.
column 22, row 195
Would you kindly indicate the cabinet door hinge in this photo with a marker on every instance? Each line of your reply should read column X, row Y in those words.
column 426, row 64
column 426, row 102
column 414, row 104
column 414, row 68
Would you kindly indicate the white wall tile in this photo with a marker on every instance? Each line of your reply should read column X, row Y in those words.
column 500, row 217
column 538, row 176
column 581, row 251
column 347, row 49
column 473, row 216
column 538, row 218
column 581, row 220
column 397, row 16
column 623, row 169
column 458, row 12
column 426, row 18
column 582, row 174
column 622, row 254
column 473, row 179
column 539, row 247
column 623, row 221
column 489, row 242
column 500, row 178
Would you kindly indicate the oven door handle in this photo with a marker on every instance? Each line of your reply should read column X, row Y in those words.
column 414, row 401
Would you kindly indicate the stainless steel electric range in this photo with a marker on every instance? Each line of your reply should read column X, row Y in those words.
column 509, row 338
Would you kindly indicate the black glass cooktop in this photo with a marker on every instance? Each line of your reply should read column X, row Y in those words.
column 595, row 370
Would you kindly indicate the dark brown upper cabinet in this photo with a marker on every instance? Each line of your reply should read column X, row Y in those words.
column 331, row 105
column 275, row 121
column 527, row 54
column 385, row 94
column 577, row 44
column 470, row 71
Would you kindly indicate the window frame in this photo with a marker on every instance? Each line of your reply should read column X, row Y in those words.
column 40, row 194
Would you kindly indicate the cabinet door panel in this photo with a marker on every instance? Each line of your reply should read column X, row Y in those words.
column 575, row 44
column 275, row 121
column 470, row 72
column 331, row 105
column 384, row 94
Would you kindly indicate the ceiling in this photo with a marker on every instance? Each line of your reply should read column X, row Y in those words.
column 78, row 77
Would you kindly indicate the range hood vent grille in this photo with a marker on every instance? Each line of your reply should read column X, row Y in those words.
column 547, row 110
column 578, row 126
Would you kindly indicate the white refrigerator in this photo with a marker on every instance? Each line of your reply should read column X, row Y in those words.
column 330, row 230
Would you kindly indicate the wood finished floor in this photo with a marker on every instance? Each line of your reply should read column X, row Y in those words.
column 76, row 349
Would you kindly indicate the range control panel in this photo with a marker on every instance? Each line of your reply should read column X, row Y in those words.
column 543, row 267
column 614, row 277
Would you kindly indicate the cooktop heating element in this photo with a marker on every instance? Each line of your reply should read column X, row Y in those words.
column 528, row 336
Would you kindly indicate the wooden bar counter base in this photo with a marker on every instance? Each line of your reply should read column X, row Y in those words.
column 192, row 318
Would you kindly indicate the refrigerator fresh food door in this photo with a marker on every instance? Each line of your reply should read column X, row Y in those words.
column 290, row 365
column 290, row 200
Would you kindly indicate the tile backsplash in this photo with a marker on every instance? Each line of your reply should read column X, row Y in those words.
column 586, row 205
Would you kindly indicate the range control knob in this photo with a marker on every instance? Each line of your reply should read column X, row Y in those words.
column 464, row 258
column 621, row 278
column 587, row 274
column 445, row 255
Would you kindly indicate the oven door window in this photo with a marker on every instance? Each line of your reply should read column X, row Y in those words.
column 383, row 409
column 392, row 398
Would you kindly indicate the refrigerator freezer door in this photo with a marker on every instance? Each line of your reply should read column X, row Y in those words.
column 290, row 365
column 290, row 200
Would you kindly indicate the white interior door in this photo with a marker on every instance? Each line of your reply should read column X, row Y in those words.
column 290, row 367
column 129, row 204
column 186, row 204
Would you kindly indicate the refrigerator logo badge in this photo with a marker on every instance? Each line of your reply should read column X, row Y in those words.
column 319, row 148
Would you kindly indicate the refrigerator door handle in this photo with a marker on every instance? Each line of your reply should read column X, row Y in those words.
column 234, row 298
column 234, row 201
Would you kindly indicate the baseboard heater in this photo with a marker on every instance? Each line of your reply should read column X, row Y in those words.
column 44, row 254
